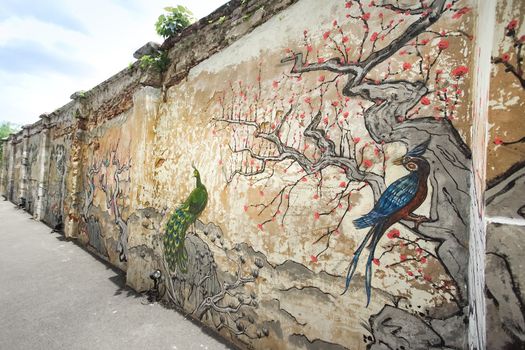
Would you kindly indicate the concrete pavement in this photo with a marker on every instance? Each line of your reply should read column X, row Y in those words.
column 55, row 295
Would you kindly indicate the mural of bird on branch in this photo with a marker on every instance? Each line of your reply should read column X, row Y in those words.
column 396, row 203
column 179, row 222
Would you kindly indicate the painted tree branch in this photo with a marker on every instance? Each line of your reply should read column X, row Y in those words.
column 113, row 194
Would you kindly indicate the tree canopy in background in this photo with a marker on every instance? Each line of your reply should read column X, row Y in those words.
column 6, row 128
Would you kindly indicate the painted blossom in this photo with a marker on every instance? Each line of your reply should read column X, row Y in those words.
column 512, row 24
column 459, row 13
column 425, row 101
column 459, row 71
column 443, row 44
column 407, row 65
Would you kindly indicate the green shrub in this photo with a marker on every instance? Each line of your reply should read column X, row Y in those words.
column 174, row 21
column 159, row 62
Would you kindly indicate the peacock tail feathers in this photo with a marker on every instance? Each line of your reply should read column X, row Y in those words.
column 174, row 250
column 173, row 240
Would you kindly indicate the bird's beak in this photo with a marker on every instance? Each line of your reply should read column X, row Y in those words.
column 398, row 161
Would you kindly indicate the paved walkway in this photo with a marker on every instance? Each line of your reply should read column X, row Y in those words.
column 55, row 295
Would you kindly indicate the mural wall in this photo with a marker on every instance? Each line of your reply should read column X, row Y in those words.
column 301, row 184
column 302, row 141
column 506, row 182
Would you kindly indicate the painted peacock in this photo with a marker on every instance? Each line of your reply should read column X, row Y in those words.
column 180, row 220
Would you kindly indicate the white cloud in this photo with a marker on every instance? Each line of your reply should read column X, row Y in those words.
column 46, row 57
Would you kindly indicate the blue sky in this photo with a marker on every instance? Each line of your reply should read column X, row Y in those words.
column 50, row 49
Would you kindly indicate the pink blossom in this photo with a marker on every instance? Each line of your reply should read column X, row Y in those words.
column 459, row 71
column 512, row 24
column 443, row 44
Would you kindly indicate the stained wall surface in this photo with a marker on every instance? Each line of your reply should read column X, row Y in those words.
column 506, row 182
column 299, row 183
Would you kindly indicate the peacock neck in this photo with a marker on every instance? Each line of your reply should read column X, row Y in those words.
column 198, row 182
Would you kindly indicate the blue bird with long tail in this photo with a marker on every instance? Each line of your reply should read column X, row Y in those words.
column 397, row 203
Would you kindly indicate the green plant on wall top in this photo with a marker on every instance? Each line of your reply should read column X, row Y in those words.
column 159, row 61
column 174, row 21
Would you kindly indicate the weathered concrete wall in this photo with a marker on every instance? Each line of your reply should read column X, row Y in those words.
column 505, row 199
column 295, row 127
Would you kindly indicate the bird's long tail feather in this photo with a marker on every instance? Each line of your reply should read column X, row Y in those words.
column 355, row 259
column 378, row 232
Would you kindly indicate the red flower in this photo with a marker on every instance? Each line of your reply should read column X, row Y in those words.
column 260, row 226
column 459, row 71
column 316, row 196
column 460, row 12
column 313, row 258
column 402, row 257
column 317, row 215
column 373, row 37
column 335, row 22
column 522, row 38
column 393, row 233
column 419, row 250
column 321, row 78
column 275, row 84
column 342, row 184
column 367, row 163
column 345, row 39
column 410, row 273
column 304, row 179
column 326, row 35
column 443, row 44
column 423, row 260
column 505, row 57
column 407, row 66
column 308, row 100
column 335, row 103
column 366, row 16
column 376, row 261
column 424, row 41
column 320, row 60
column 498, row 140
column 348, row 4
column 512, row 24
column 427, row 277
column 356, row 139
column 309, row 48
column 245, row 208
column 425, row 101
